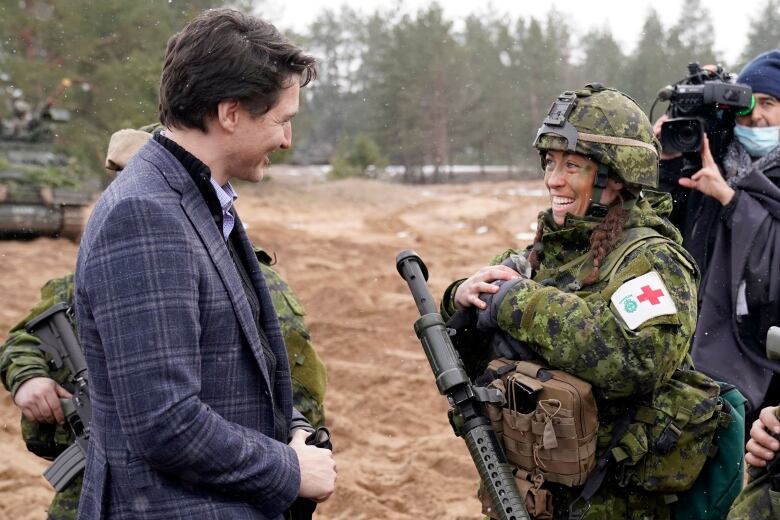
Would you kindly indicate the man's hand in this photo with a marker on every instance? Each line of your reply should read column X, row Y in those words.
column 318, row 469
column 480, row 282
column 762, row 446
column 39, row 400
column 657, row 131
column 708, row 180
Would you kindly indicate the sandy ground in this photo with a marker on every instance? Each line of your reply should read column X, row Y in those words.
column 336, row 244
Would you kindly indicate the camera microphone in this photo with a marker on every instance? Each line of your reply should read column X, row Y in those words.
column 666, row 93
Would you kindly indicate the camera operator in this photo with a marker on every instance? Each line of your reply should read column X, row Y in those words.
column 729, row 214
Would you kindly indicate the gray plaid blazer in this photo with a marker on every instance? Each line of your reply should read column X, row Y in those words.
column 183, row 420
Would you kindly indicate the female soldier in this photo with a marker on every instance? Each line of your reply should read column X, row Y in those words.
column 611, row 296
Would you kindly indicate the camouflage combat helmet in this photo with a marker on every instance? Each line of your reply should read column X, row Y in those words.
column 607, row 126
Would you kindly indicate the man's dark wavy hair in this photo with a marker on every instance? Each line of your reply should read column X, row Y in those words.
column 225, row 54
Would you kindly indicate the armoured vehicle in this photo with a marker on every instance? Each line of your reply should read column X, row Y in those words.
column 39, row 193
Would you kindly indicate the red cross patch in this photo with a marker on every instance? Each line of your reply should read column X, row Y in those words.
column 641, row 299
column 651, row 295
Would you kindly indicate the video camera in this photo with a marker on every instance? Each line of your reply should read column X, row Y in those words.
column 703, row 101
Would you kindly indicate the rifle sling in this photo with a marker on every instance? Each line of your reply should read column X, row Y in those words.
column 596, row 478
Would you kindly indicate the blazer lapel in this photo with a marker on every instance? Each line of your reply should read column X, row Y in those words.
column 198, row 213
column 212, row 238
column 268, row 318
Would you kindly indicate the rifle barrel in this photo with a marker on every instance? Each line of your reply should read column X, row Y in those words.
column 452, row 381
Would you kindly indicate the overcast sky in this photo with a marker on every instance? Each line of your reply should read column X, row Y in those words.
column 625, row 17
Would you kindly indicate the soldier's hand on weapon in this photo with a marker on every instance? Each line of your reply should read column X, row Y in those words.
column 762, row 446
column 318, row 469
column 708, row 180
column 39, row 400
column 480, row 282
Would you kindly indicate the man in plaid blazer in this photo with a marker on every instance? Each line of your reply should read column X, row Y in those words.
column 189, row 380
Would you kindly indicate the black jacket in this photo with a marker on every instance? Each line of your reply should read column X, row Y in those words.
column 735, row 243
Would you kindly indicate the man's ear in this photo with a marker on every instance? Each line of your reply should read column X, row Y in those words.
column 228, row 114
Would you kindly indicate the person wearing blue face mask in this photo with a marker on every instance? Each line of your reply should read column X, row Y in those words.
column 759, row 141
column 759, row 132
column 732, row 229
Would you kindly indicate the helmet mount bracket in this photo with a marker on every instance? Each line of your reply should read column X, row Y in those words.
column 557, row 122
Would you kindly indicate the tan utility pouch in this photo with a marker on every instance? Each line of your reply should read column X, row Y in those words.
column 538, row 501
column 555, row 434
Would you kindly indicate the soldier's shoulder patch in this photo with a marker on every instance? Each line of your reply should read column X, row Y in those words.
column 643, row 298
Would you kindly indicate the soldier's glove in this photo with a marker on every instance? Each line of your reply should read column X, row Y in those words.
column 487, row 319
column 520, row 264
column 502, row 345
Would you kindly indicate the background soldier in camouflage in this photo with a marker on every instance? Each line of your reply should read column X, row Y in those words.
column 562, row 314
column 306, row 368
column 25, row 367
column 760, row 500
column 22, row 362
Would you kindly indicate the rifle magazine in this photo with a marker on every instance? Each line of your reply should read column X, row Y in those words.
column 65, row 467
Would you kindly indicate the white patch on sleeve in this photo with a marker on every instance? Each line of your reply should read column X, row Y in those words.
column 642, row 299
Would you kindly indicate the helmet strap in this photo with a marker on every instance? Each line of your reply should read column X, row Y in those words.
column 596, row 208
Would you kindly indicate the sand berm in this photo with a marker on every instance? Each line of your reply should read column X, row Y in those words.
column 336, row 244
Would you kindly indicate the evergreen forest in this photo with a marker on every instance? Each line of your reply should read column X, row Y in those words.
column 393, row 88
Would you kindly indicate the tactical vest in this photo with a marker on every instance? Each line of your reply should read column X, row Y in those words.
column 632, row 239
column 671, row 436
column 549, row 421
column 548, row 424
column 660, row 445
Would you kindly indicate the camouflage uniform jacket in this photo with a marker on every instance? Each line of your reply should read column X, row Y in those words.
column 758, row 501
column 20, row 360
column 307, row 370
column 581, row 332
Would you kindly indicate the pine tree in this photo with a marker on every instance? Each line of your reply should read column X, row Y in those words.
column 692, row 37
column 647, row 69
column 764, row 34
column 604, row 61
column 108, row 49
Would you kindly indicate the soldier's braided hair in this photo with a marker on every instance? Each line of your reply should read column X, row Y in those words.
column 604, row 237
column 536, row 254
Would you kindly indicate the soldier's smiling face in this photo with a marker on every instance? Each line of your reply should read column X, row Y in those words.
column 569, row 180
